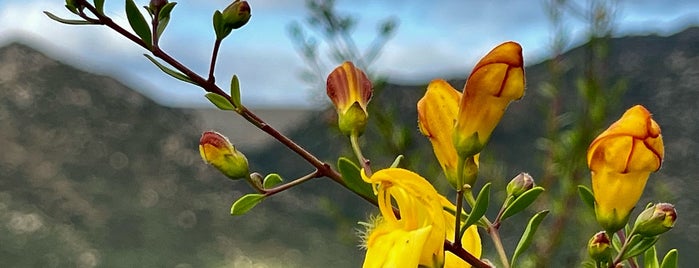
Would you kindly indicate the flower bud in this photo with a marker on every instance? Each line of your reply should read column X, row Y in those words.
column 236, row 14
column 216, row 150
column 350, row 91
column 656, row 220
column 620, row 161
column 599, row 247
column 157, row 4
column 520, row 184
column 497, row 80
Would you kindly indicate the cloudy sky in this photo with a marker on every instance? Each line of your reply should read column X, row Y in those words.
column 434, row 39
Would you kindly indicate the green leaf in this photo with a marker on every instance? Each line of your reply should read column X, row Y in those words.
column 480, row 207
column 670, row 259
column 650, row 258
column 219, row 28
column 71, row 7
column 164, row 17
column 638, row 244
column 272, row 180
column 99, row 5
column 522, row 202
column 528, row 235
column 586, row 195
column 138, row 23
column 396, row 162
column 235, row 92
column 177, row 75
column 220, row 101
column 353, row 180
column 245, row 203
column 66, row 21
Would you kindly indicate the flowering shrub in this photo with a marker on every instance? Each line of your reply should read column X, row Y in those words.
column 417, row 226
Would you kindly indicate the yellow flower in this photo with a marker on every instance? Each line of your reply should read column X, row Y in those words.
column 417, row 237
column 437, row 112
column 216, row 150
column 350, row 91
column 621, row 159
column 497, row 80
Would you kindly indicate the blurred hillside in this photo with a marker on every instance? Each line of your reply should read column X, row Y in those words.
column 94, row 174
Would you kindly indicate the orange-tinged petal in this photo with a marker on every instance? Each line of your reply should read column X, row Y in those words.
column 350, row 91
column 497, row 80
column 347, row 85
column 217, row 151
column 621, row 159
column 436, row 116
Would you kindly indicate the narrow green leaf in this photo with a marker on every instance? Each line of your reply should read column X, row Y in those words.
column 616, row 243
column 587, row 197
column 396, row 162
column 235, row 92
column 164, row 17
column 522, row 202
column 177, row 75
column 99, row 5
column 66, row 21
column 245, row 203
column 528, row 235
column 480, row 207
column 637, row 245
column 71, row 7
column 218, row 24
column 166, row 10
column 353, row 180
column 670, row 259
column 138, row 23
column 272, row 180
column 588, row 264
column 650, row 258
column 220, row 101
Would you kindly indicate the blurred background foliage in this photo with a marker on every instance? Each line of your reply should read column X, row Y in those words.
column 94, row 174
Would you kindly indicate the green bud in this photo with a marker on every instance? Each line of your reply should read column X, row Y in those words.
column 353, row 120
column 217, row 151
column 656, row 220
column 600, row 247
column 520, row 184
column 236, row 14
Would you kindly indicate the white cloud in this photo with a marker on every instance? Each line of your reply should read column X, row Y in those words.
column 433, row 40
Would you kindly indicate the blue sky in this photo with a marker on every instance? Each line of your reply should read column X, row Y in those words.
column 434, row 39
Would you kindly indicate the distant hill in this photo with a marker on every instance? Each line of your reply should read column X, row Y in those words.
column 96, row 174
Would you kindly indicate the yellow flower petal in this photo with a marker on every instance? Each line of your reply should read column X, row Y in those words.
column 621, row 159
column 420, row 208
column 436, row 116
column 497, row 80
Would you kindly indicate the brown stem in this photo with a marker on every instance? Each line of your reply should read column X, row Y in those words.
column 457, row 215
column 281, row 188
column 322, row 169
column 214, row 56
column 464, row 255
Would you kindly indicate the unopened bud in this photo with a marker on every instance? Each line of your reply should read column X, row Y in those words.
column 216, row 150
column 599, row 247
column 157, row 4
column 656, row 220
column 520, row 184
column 236, row 14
